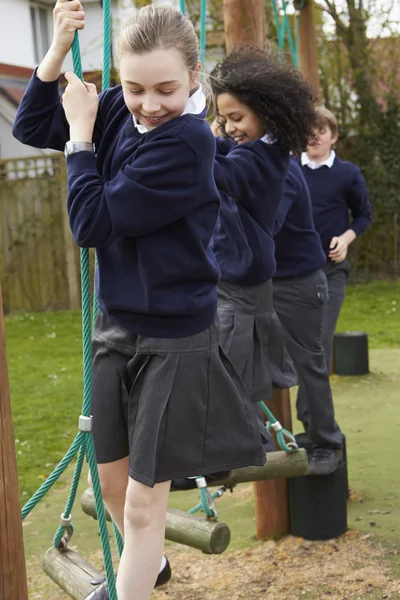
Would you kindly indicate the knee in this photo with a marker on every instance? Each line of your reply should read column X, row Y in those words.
column 139, row 509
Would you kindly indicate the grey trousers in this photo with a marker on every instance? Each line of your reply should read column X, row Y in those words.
column 337, row 275
column 300, row 304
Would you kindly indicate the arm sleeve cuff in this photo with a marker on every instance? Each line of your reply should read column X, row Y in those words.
column 81, row 162
column 42, row 92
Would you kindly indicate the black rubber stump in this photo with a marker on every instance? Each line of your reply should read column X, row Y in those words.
column 318, row 505
column 351, row 353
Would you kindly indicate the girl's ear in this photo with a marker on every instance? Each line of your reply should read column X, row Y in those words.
column 195, row 75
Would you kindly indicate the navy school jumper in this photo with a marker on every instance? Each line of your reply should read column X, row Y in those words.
column 298, row 248
column 336, row 192
column 147, row 202
column 243, row 240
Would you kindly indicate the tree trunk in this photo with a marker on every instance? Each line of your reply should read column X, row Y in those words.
column 245, row 23
column 13, row 584
column 308, row 53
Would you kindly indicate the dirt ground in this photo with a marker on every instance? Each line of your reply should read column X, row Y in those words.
column 292, row 568
column 351, row 567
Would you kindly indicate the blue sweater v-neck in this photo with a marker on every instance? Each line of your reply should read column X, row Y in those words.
column 298, row 248
column 336, row 192
column 250, row 178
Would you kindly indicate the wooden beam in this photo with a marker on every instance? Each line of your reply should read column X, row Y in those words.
column 245, row 23
column 13, row 585
column 190, row 530
column 279, row 464
column 308, row 49
column 272, row 497
column 71, row 573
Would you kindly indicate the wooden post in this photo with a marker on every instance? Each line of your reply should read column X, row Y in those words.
column 13, row 585
column 308, row 52
column 272, row 497
column 244, row 23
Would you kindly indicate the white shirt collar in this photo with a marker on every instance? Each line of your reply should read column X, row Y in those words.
column 195, row 105
column 268, row 139
column 328, row 162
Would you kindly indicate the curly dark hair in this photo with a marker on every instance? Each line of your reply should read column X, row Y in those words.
column 273, row 90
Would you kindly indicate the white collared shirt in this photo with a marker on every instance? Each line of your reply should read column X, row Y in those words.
column 195, row 105
column 268, row 139
column 328, row 162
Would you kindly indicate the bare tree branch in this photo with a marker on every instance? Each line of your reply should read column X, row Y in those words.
column 331, row 10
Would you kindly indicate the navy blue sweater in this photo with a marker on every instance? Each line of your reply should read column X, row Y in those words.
column 250, row 178
column 148, row 203
column 334, row 192
column 298, row 248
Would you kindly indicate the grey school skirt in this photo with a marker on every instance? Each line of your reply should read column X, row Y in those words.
column 176, row 407
column 252, row 337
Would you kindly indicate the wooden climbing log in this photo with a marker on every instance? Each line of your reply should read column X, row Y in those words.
column 189, row 530
column 71, row 573
column 279, row 464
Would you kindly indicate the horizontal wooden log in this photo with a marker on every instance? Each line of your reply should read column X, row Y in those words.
column 189, row 530
column 279, row 464
column 71, row 573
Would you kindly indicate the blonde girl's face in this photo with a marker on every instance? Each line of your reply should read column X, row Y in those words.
column 239, row 121
column 156, row 85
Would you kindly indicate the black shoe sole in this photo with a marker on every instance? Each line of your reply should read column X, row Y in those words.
column 101, row 592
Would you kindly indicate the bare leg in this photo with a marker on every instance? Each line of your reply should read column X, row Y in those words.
column 114, row 482
column 144, row 527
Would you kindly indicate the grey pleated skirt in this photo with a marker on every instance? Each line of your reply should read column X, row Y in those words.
column 252, row 337
column 176, row 407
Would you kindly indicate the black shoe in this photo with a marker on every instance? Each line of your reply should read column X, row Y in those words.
column 165, row 575
column 189, row 483
column 101, row 592
column 324, row 460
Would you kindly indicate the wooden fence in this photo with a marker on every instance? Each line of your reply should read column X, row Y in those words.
column 39, row 261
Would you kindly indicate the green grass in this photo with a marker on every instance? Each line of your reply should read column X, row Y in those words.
column 44, row 359
column 44, row 364
column 375, row 309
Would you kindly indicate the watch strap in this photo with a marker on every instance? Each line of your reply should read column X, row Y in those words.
column 74, row 147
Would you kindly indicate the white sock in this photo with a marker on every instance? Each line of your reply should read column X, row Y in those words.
column 163, row 564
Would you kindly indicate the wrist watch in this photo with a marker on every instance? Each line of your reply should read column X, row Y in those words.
column 74, row 147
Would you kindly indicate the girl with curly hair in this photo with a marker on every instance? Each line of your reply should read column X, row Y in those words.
column 262, row 101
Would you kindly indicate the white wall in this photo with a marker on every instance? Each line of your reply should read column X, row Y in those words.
column 16, row 42
column 16, row 39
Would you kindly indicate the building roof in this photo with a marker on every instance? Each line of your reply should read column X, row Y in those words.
column 13, row 81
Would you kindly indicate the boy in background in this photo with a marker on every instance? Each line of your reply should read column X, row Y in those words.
column 337, row 190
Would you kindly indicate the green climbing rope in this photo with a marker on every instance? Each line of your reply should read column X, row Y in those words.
column 83, row 445
column 283, row 27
